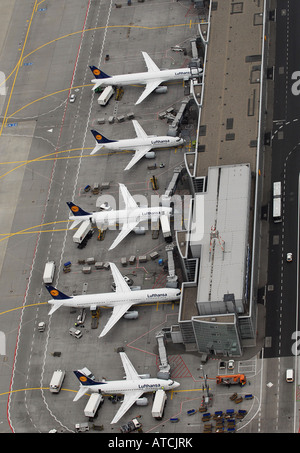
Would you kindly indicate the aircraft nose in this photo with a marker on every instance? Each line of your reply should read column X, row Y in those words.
column 176, row 384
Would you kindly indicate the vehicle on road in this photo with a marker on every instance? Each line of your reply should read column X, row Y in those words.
column 289, row 257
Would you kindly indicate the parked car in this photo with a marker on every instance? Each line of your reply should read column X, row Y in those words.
column 230, row 365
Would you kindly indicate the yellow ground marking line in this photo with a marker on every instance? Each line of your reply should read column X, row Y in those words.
column 38, row 5
column 45, row 157
column 18, row 67
column 37, row 388
column 43, row 97
column 26, row 230
column 80, row 31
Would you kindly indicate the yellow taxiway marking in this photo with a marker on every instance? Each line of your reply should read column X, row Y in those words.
column 26, row 230
column 17, row 68
column 44, row 97
column 36, row 388
column 22, row 58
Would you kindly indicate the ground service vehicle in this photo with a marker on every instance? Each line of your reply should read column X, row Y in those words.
column 165, row 227
column 41, row 326
column 105, row 95
column 231, row 379
column 77, row 333
column 49, row 272
column 130, row 426
column 159, row 403
column 93, row 404
column 56, row 381
column 82, row 232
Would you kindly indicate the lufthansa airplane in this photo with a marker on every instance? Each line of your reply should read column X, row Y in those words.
column 129, row 217
column 152, row 79
column 141, row 144
column 133, row 387
column 121, row 300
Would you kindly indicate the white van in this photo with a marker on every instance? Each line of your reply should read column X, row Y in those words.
column 56, row 381
column 289, row 375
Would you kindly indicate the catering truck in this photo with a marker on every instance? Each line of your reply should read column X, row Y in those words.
column 82, row 232
column 159, row 403
column 95, row 400
column 49, row 272
column 105, row 95
column 56, row 381
column 165, row 227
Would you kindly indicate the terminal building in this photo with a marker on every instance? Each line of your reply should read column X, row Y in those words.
column 218, row 246
column 214, row 315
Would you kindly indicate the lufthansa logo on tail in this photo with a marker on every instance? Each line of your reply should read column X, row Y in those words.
column 74, row 209
column 98, row 137
column 54, row 292
column 83, row 379
column 96, row 72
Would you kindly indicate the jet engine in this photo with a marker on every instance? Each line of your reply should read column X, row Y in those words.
column 131, row 314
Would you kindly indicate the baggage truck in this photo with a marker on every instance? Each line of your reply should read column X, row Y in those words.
column 105, row 95
column 93, row 404
column 56, row 381
column 82, row 232
column 49, row 272
column 159, row 404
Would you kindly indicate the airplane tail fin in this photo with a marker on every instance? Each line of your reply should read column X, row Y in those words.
column 76, row 210
column 100, row 139
column 98, row 73
column 56, row 294
column 86, row 381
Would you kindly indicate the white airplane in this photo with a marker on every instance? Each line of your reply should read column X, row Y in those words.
column 152, row 79
column 121, row 300
column 133, row 387
column 129, row 217
column 141, row 144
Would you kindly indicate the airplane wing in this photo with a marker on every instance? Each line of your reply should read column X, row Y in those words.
column 130, row 371
column 139, row 153
column 139, row 130
column 128, row 401
column 127, row 227
column 117, row 313
column 151, row 86
column 152, row 67
column 121, row 285
column 128, row 199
